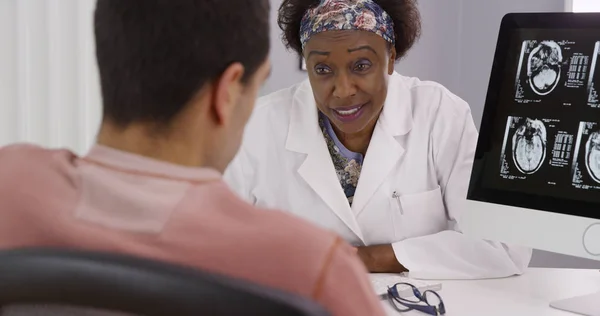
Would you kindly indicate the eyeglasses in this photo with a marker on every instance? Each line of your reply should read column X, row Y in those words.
column 428, row 302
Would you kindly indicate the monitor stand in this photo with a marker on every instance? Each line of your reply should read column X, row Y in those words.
column 588, row 305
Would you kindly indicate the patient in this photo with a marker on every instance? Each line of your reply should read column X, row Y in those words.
column 179, row 80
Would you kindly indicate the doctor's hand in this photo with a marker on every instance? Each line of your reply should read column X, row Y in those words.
column 380, row 259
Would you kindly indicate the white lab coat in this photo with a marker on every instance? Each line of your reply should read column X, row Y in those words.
column 422, row 149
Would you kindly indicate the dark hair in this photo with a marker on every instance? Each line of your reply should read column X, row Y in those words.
column 405, row 13
column 155, row 55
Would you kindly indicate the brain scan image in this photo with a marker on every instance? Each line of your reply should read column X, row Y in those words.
column 592, row 156
column 529, row 146
column 543, row 67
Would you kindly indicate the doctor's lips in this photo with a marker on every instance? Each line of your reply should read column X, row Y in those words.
column 349, row 113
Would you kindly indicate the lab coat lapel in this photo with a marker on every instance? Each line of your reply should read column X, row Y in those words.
column 384, row 150
column 305, row 136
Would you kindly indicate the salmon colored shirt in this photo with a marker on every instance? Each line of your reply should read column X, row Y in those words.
column 115, row 201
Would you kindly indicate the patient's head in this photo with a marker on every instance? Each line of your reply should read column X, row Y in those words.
column 180, row 73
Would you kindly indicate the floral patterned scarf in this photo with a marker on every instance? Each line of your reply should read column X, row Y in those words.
column 335, row 15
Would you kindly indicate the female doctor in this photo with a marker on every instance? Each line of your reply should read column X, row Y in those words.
column 382, row 159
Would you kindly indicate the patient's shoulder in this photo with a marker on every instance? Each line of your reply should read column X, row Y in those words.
column 19, row 150
column 23, row 153
column 32, row 165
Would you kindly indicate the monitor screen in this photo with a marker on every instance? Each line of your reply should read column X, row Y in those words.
column 540, row 141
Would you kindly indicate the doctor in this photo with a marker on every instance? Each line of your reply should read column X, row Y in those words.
column 382, row 159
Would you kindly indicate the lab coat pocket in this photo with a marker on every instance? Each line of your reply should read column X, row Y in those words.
column 420, row 214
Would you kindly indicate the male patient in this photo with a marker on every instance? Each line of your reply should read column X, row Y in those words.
column 179, row 80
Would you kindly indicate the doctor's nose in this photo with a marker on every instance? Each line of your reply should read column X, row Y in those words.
column 343, row 87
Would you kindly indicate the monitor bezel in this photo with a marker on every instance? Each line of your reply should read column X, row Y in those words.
column 476, row 192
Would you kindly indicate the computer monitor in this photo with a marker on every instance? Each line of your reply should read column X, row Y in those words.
column 536, row 173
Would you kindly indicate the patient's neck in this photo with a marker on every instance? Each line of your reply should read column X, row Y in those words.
column 166, row 145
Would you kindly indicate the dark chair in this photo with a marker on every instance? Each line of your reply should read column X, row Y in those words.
column 133, row 286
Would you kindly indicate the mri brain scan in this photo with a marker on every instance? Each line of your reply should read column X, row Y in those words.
column 529, row 146
column 543, row 67
column 592, row 156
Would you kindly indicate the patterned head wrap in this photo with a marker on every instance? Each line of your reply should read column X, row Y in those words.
column 335, row 15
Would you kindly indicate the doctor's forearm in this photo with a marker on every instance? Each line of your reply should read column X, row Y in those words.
column 380, row 259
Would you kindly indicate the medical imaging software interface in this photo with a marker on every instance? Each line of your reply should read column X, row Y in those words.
column 546, row 133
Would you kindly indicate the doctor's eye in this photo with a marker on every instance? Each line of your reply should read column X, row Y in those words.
column 362, row 66
column 322, row 70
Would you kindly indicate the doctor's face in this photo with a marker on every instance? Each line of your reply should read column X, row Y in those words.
column 348, row 72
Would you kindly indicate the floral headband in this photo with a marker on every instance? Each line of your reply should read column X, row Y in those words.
column 335, row 15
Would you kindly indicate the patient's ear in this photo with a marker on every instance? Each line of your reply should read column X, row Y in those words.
column 227, row 91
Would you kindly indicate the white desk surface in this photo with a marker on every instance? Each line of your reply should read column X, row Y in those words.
column 528, row 294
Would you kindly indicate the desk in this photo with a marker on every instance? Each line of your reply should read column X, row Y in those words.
column 528, row 294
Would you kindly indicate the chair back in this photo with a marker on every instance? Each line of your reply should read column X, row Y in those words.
column 126, row 285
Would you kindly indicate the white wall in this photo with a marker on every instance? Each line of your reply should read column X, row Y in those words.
column 48, row 79
column 480, row 23
column 286, row 64
column 584, row 5
column 435, row 57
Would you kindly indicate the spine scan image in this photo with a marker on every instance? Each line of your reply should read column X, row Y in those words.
column 592, row 156
column 529, row 146
column 543, row 67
